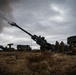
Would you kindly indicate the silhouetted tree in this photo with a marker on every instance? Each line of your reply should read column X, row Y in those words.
column 62, row 46
column 66, row 48
column 57, row 46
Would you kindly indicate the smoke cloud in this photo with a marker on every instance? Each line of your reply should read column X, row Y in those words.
column 5, row 12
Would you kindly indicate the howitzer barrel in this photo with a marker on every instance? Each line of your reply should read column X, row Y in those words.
column 14, row 24
column 38, row 39
column 24, row 30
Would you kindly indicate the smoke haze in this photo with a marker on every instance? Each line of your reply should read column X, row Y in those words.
column 5, row 12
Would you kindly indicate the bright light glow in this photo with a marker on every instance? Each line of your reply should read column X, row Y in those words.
column 10, row 37
column 22, row 39
column 57, row 9
column 59, row 18
column 1, row 35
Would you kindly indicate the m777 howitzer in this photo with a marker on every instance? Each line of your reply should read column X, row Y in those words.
column 44, row 45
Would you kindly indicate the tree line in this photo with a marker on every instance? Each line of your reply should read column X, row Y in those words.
column 62, row 47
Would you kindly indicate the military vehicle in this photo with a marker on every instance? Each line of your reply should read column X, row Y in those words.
column 7, row 48
column 1, row 48
column 72, row 40
column 44, row 45
column 10, row 44
column 23, row 48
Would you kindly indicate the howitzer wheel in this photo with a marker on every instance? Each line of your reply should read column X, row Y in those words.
column 42, row 48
